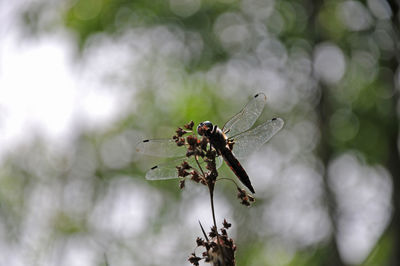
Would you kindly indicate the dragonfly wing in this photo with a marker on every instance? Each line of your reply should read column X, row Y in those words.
column 249, row 141
column 165, row 170
column 243, row 120
column 218, row 162
column 160, row 148
column 168, row 170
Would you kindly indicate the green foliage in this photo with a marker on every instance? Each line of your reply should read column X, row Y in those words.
column 381, row 253
column 274, row 48
column 89, row 17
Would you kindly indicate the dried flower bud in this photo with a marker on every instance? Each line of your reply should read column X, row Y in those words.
column 245, row 199
column 182, row 183
column 185, row 165
column 211, row 166
column 213, row 232
column 199, row 153
column 180, row 132
column 245, row 203
column 200, row 242
column 189, row 125
column 182, row 172
column 203, row 143
column 251, row 198
column 241, row 193
column 180, row 141
column 192, row 140
column 223, row 232
column 214, row 245
column 189, row 153
column 193, row 259
column 211, row 154
column 206, row 257
column 226, row 224
column 195, row 176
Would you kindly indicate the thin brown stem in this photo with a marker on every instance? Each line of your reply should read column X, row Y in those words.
column 215, row 224
column 211, row 190
column 212, row 209
column 198, row 164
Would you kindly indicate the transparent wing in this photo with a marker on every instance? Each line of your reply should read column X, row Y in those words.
column 165, row 170
column 168, row 170
column 249, row 141
column 160, row 148
column 243, row 120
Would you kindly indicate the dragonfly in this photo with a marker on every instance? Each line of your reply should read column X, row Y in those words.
column 236, row 141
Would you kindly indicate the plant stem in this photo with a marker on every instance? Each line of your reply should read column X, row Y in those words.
column 211, row 189
column 212, row 208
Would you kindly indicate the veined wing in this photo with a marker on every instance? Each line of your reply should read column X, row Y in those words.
column 249, row 141
column 243, row 120
column 165, row 170
column 168, row 170
column 160, row 148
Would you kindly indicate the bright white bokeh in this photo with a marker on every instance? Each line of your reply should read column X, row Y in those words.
column 45, row 95
column 363, row 195
column 42, row 95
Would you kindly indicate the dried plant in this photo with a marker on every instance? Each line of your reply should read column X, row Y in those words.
column 219, row 248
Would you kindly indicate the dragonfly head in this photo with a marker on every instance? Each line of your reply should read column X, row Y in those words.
column 205, row 128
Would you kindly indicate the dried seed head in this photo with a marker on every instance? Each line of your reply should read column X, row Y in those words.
column 185, row 165
column 189, row 153
column 193, row 259
column 245, row 199
column 213, row 232
column 206, row 257
column 180, row 141
column 245, row 203
column 192, row 140
column 200, row 242
column 224, row 233
column 226, row 224
column 241, row 193
column 211, row 154
column 251, row 198
column 195, row 176
column 189, row 126
column 181, row 171
column 211, row 166
column 227, row 256
column 220, row 249
column 199, row 153
column 180, row 132
column 182, row 183
column 204, row 143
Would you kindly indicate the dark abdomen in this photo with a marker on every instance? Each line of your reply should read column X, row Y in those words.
column 236, row 167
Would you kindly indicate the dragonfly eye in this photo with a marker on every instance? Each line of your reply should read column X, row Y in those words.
column 204, row 128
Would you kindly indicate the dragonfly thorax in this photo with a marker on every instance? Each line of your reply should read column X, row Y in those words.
column 205, row 128
column 214, row 134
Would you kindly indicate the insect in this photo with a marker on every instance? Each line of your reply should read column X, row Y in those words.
column 234, row 142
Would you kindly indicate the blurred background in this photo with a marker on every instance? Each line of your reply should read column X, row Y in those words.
column 82, row 81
